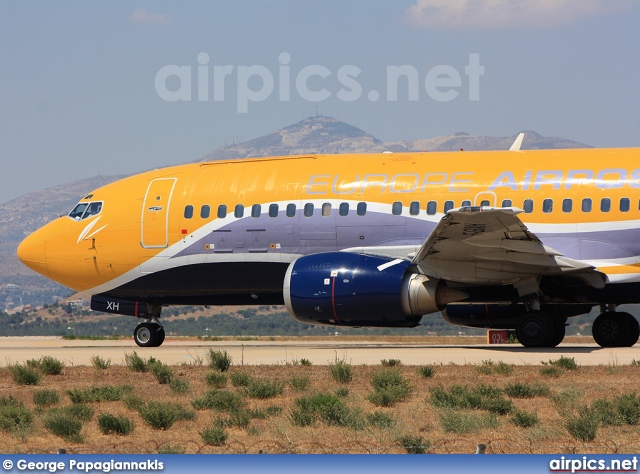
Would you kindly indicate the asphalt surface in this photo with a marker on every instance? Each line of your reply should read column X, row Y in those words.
column 178, row 351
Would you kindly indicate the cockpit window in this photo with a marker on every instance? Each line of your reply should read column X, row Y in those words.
column 84, row 210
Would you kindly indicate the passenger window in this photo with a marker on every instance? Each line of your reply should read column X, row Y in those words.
column 343, row 210
column 432, row 207
column 205, row 211
column 361, row 209
column 625, row 204
column 586, row 205
column 239, row 211
column 605, row 205
column 485, row 203
column 414, row 208
column 273, row 210
column 396, row 208
column 93, row 209
column 507, row 203
column 256, row 210
column 222, row 211
column 448, row 205
column 547, row 206
column 76, row 212
column 466, row 203
column 308, row 209
column 188, row 212
column 326, row 209
column 291, row 210
column 567, row 205
column 528, row 206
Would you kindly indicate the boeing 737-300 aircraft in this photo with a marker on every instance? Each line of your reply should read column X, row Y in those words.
column 509, row 240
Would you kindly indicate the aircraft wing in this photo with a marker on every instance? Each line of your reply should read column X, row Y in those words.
column 492, row 246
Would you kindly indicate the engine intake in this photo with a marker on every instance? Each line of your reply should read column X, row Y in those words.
column 348, row 289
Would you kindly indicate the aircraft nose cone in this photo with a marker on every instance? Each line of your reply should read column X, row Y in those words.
column 31, row 252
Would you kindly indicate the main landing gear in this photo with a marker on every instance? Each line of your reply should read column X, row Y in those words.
column 150, row 334
column 538, row 329
column 613, row 329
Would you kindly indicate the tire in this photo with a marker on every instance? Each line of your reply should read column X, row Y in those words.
column 536, row 329
column 160, row 335
column 634, row 330
column 145, row 335
column 612, row 329
column 559, row 331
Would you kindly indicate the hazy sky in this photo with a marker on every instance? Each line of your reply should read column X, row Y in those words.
column 120, row 87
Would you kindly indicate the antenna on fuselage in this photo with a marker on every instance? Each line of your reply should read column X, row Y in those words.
column 518, row 143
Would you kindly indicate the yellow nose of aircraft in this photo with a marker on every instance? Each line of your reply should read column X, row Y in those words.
column 31, row 252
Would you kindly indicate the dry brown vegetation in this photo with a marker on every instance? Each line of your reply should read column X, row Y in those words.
column 415, row 418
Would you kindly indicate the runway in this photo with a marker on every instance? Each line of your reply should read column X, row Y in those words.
column 177, row 351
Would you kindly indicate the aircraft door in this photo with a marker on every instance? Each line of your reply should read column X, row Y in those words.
column 155, row 213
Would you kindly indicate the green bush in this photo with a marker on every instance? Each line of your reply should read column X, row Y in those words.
column 214, row 436
column 503, row 368
column 135, row 363
column 299, row 382
column 179, row 385
column 305, row 362
column 79, row 411
column 171, row 449
column 550, row 371
column 624, row 409
column 240, row 379
column 263, row 389
column 342, row 392
column 105, row 393
column 120, row 425
column 380, row 419
column 219, row 400
column 584, row 426
column 162, row 416
column 414, row 444
column 389, row 388
column 99, row 363
column 341, row 371
column 14, row 416
column 133, row 402
column 390, row 362
column 523, row 419
column 480, row 397
column 219, row 360
column 328, row 408
column 63, row 424
column 567, row 363
column 526, row 390
column 162, row 372
column 460, row 422
column 45, row 398
column 426, row 371
column 25, row 375
column 50, row 366
column 216, row 379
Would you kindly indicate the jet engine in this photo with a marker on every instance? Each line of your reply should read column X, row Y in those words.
column 349, row 289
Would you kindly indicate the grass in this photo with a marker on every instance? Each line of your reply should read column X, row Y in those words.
column 135, row 363
column 214, row 436
column 390, row 362
column 263, row 389
column 584, row 411
column 240, row 379
column 566, row 363
column 299, row 382
column 216, row 379
column 161, row 372
column 179, row 385
column 414, row 444
column 46, row 398
column 426, row 371
column 389, row 388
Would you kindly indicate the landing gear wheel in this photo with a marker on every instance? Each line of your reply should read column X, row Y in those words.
column 536, row 329
column 612, row 329
column 559, row 331
column 634, row 329
column 148, row 335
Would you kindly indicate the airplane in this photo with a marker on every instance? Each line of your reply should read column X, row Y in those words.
column 511, row 239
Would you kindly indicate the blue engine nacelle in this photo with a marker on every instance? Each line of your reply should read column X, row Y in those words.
column 348, row 289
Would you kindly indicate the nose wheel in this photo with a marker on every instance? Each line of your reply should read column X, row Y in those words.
column 148, row 335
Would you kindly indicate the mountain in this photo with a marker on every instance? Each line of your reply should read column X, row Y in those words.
column 318, row 134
